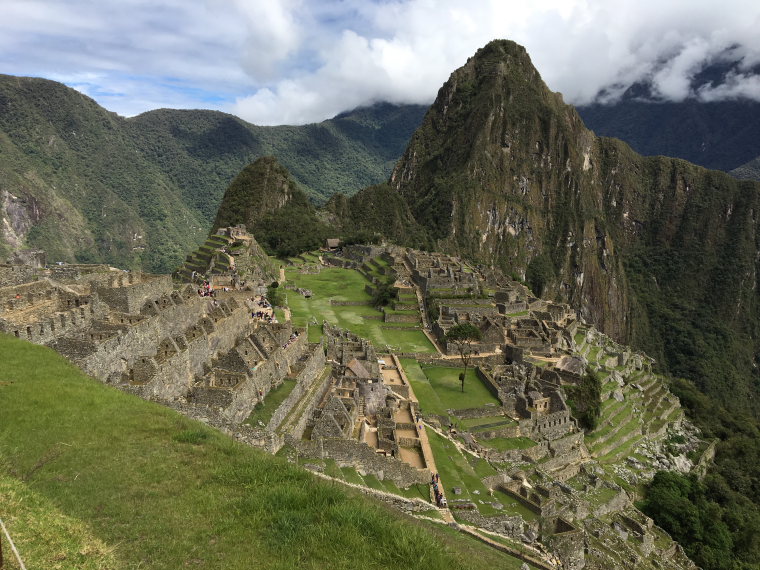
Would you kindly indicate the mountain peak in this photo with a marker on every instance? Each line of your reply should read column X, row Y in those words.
column 262, row 187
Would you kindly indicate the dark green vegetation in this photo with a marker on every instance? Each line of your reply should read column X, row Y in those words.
column 730, row 491
column 715, row 535
column 585, row 400
column 88, row 185
column 720, row 135
column 268, row 202
column 91, row 477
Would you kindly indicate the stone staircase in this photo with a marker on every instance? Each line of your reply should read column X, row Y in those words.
column 207, row 258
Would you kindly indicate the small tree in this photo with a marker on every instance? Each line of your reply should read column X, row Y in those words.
column 384, row 294
column 463, row 336
column 275, row 295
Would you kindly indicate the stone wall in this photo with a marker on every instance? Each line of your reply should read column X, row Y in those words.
column 128, row 295
column 171, row 321
column 56, row 325
column 11, row 275
column 175, row 375
column 312, row 370
column 570, row 547
column 265, row 377
column 360, row 456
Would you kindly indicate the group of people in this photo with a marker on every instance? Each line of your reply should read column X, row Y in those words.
column 293, row 337
column 265, row 311
column 206, row 290
column 440, row 500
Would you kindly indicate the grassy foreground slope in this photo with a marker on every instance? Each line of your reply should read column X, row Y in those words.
column 91, row 477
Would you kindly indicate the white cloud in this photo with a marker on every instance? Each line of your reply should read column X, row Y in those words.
column 579, row 47
column 295, row 61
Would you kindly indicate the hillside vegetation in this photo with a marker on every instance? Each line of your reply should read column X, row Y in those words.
column 655, row 251
column 88, row 185
column 91, row 477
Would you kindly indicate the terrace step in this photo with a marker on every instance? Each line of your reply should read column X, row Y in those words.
column 599, row 452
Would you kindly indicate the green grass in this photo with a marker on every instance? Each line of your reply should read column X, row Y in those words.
column 426, row 394
column 263, row 411
column 456, row 471
column 91, row 477
column 445, row 381
column 347, row 285
column 350, row 474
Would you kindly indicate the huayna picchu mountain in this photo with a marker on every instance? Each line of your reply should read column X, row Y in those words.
column 655, row 251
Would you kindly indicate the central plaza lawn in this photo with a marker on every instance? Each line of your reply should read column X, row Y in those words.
column 347, row 285
column 445, row 382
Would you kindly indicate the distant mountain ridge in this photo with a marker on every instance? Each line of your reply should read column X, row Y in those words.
column 88, row 185
column 722, row 135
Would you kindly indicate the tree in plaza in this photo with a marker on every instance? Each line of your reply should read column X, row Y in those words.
column 463, row 336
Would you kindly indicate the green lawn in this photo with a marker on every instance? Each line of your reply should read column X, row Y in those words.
column 347, row 285
column 445, row 382
column 426, row 395
column 94, row 478
column 263, row 411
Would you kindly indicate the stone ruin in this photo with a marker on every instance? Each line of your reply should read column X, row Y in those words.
column 209, row 359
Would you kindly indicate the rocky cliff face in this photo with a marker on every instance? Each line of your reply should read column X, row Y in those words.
column 502, row 170
column 654, row 251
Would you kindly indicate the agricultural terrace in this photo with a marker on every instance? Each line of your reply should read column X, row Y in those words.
column 336, row 284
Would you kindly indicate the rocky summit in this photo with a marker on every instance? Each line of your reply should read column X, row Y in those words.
column 504, row 172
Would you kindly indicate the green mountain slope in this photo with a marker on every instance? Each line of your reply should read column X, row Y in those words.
column 720, row 135
column 91, row 477
column 88, row 185
column 270, row 204
column 748, row 171
column 655, row 251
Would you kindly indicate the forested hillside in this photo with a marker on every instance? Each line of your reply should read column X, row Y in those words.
column 88, row 185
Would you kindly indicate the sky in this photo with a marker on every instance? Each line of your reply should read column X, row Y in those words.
column 275, row 62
